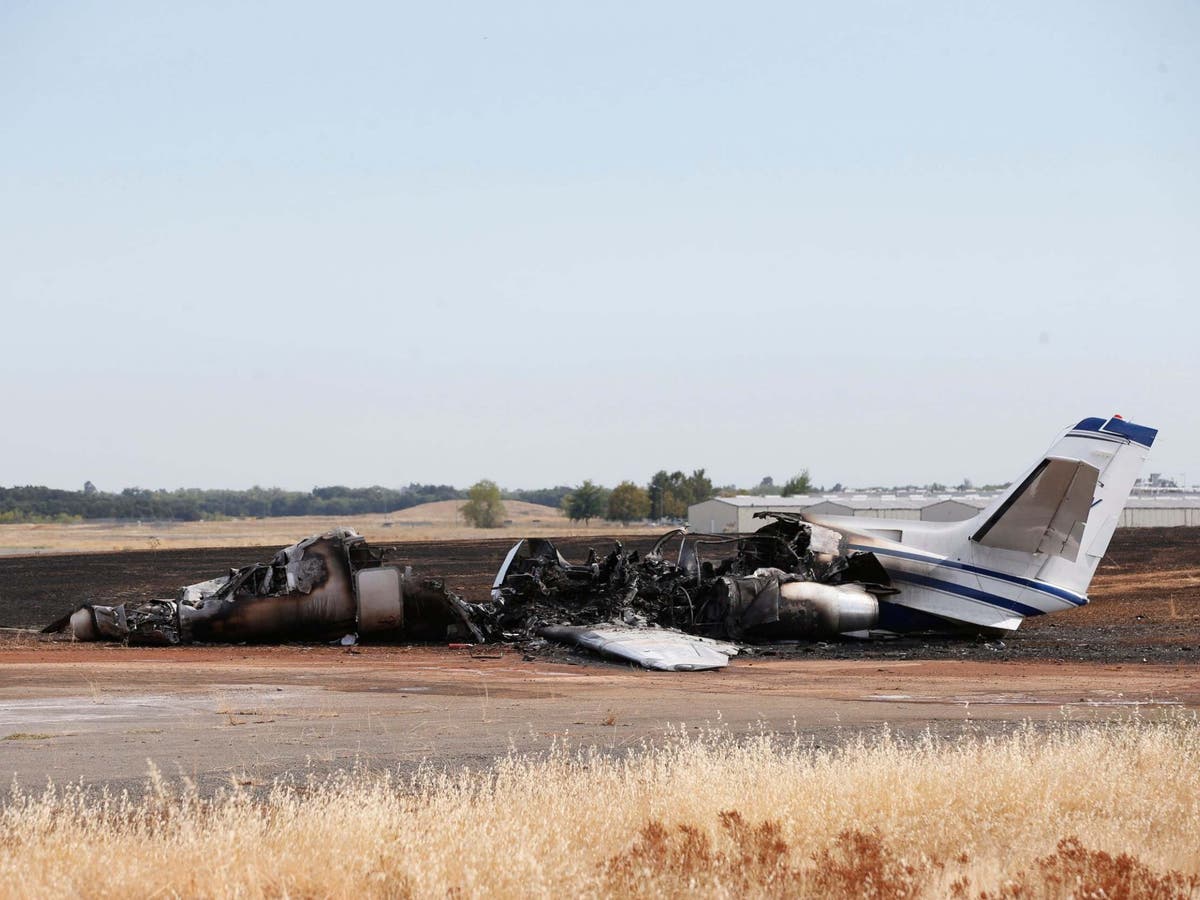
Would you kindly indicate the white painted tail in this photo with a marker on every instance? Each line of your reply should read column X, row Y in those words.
column 1062, row 512
column 1033, row 551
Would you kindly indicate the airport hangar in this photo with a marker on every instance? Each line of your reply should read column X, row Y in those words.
column 729, row 515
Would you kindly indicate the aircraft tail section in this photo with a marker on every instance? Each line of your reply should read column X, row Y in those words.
column 1064, row 509
column 1032, row 551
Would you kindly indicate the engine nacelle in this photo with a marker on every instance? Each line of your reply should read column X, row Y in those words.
column 808, row 609
column 839, row 609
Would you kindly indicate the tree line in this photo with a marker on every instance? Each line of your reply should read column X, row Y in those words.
column 33, row 503
column 666, row 496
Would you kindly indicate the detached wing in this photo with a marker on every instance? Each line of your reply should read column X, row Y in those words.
column 654, row 648
column 1047, row 513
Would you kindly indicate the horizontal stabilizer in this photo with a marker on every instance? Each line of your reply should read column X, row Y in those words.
column 1047, row 514
column 654, row 648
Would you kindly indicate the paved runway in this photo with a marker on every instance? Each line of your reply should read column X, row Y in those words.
column 104, row 714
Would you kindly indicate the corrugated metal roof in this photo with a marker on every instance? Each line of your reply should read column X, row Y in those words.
column 919, row 501
column 851, row 501
column 769, row 500
column 975, row 502
column 1187, row 502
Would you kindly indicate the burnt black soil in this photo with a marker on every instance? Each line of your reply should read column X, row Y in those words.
column 35, row 590
column 1137, row 614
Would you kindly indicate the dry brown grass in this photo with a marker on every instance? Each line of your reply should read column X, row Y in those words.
column 1088, row 811
column 429, row 522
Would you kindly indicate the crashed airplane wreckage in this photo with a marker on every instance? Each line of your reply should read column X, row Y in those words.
column 786, row 581
column 1033, row 551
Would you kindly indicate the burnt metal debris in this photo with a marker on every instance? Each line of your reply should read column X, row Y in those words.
column 321, row 588
column 788, row 580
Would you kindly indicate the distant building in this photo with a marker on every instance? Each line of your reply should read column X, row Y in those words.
column 954, row 509
column 728, row 515
column 1164, row 510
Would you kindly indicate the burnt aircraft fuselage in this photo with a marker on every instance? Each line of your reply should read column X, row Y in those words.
column 789, row 580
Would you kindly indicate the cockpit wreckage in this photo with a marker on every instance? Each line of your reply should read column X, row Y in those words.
column 789, row 580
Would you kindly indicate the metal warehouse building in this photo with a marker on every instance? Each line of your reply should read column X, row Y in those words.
column 1161, row 511
column 727, row 515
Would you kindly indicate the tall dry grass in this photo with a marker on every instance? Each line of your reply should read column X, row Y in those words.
column 1075, row 811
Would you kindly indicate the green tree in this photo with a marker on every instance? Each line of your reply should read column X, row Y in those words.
column 484, row 508
column 672, row 494
column 797, row 484
column 585, row 503
column 668, row 499
column 766, row 486
column 628, row 502
column 698, row 487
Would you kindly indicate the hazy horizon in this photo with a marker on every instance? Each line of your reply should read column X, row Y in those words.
column 290, row 246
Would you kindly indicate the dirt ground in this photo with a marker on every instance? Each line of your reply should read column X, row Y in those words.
column 104, row 713
column 34, row 590
column 1145, row 598
column 428, row 522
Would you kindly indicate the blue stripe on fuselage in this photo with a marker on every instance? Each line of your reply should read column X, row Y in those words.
column 959, row 590
column 1040, row 586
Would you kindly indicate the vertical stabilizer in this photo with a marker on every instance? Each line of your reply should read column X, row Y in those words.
column 1064, row 509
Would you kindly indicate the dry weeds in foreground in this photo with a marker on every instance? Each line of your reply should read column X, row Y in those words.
column 1089, row 811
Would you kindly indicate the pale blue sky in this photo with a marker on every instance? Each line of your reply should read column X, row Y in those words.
column 295, row 244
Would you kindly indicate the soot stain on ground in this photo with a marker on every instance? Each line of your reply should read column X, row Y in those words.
column 1138, row 614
